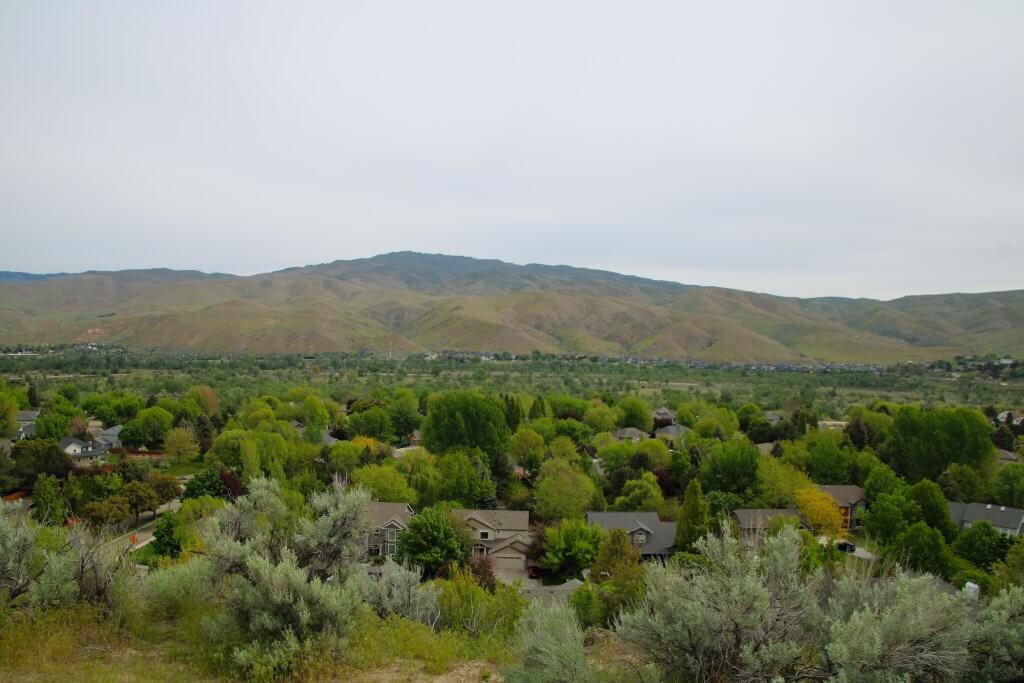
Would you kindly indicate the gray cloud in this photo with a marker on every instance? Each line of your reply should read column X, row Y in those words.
column 805, row 148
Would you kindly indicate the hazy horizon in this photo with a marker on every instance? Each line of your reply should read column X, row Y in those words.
column 798, row 148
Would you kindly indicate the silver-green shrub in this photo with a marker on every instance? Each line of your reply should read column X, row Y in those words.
column 399, row 591
column 550, row 648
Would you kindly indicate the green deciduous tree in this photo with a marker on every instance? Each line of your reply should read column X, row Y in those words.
column 778, row 482
column 731, row 467
column 923, row 443
column 601, row 418
column 639, row 494
column 432, row 541
column 180, row 444
column 890, row 516
column 963, row 483
column 924, row 548
column 384, row 483
column 934, row 509
column 374, row 422
column 562, row 490
column 571, row 546
column 52, row 426
column 140, row 498
column 147, row 428
column 404, row 413
column 979, row 544
column 315, row 418
column 635, row 412
column 527, row 449
column 466, row 419
column 1008, row 486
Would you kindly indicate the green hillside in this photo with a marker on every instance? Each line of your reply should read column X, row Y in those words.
column 415, row 302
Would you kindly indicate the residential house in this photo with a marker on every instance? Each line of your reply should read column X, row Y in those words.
column 389, row 520
column 671, row 432
column 754, row 522
column 832, row 425
column 850, row 500
column 110, row 437
column 652, row 537
column 772, row 417
column 26, row 417
column 25, row 431
column 631, row 434
column 1009, row 521
column 81, row 451
column 502, row 535
column 663, row 417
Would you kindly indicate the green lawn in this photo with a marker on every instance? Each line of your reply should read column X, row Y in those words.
column 184, row 467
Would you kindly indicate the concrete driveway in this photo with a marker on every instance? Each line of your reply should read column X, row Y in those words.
column 551, row 594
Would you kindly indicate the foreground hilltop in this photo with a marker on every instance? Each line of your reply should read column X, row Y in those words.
column 414, row 302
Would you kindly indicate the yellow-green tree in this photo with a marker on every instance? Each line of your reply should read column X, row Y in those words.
column 821, row 512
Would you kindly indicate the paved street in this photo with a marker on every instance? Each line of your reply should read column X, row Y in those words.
column 144, row 532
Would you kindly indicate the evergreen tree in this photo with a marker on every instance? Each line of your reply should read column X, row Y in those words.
column 513, row 411
column 538, row 409
column 48, row 503
column 693, row 518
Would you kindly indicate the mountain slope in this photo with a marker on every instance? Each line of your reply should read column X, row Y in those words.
column 414, row 302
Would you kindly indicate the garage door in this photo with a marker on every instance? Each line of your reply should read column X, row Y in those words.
column 509, row 562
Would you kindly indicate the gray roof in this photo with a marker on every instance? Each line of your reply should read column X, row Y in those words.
column 510, row 520
column 664, row 413
column 630, row 433
column 772, row 417
column 765, row 448
column 846, row 495
column 327, row 439
column 69, row 440
column 672, row 431
column 26, row 431
column 25, row 416
column 112, row 431
column 1000, row 515
column 661, row 535
column 382, row 513
column 758, row 519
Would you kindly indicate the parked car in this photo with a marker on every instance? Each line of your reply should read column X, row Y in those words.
column 846, row 546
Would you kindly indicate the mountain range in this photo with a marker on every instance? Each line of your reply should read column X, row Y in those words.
column 412, row 302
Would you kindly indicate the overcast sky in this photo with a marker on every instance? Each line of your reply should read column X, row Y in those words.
column 801, row 148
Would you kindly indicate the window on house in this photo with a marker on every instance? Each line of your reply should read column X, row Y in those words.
column 484, row 535
column 392, row 548
column 392, row 534
column 640, row 538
